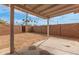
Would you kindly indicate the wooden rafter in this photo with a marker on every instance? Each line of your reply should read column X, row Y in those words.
column 37, row 6
column 52, row 9
column 48, row 7
column 31, row 5
column 76, row 11
column 57, row 8
column 25, row 9
column 47, row 10
column 43, row 7
column 65, row 12
column 64, row 9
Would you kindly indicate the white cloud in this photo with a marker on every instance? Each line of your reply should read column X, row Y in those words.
column 4, row 6
column 18, row 21
column 32, row 15
column 18, row 11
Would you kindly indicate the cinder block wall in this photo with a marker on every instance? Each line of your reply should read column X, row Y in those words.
column 68, row 30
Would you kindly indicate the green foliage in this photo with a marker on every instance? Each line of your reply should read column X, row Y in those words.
column 2, row 21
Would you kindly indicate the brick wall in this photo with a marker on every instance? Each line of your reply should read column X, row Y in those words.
column 69, row 30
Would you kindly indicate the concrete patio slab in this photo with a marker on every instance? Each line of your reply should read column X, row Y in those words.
column 4, row 51
column 60, row 46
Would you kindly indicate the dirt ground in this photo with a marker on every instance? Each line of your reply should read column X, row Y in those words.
column 21, row 40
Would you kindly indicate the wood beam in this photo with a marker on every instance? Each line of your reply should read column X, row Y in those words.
column 64, row 9
column 76, row 11
column 11, row 28
column 29, row 7
column 64, row 12
column 43, row 7
column 48, row 7
column 48, row 28
column 61, row 14
column 25, row 9
column 37, row 6
column 53, row 9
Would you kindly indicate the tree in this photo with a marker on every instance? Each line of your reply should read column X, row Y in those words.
column 2, row 21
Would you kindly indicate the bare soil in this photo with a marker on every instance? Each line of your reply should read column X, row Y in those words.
column 21, row 40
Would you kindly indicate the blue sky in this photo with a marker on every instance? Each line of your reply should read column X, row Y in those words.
column 64, row 19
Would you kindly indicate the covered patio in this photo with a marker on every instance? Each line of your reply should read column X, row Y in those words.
column 45, row 11
column 38, row 44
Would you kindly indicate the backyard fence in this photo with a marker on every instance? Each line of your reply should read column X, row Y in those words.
column 69, row 30
column 5, row 29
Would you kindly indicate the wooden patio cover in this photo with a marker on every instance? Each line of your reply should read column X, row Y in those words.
column 41, row 10
column 48, row 10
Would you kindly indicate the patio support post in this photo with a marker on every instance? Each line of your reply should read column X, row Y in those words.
column 48, row 28
column 11, row 28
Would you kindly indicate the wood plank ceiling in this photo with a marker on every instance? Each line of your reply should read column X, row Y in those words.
column 48, row 10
